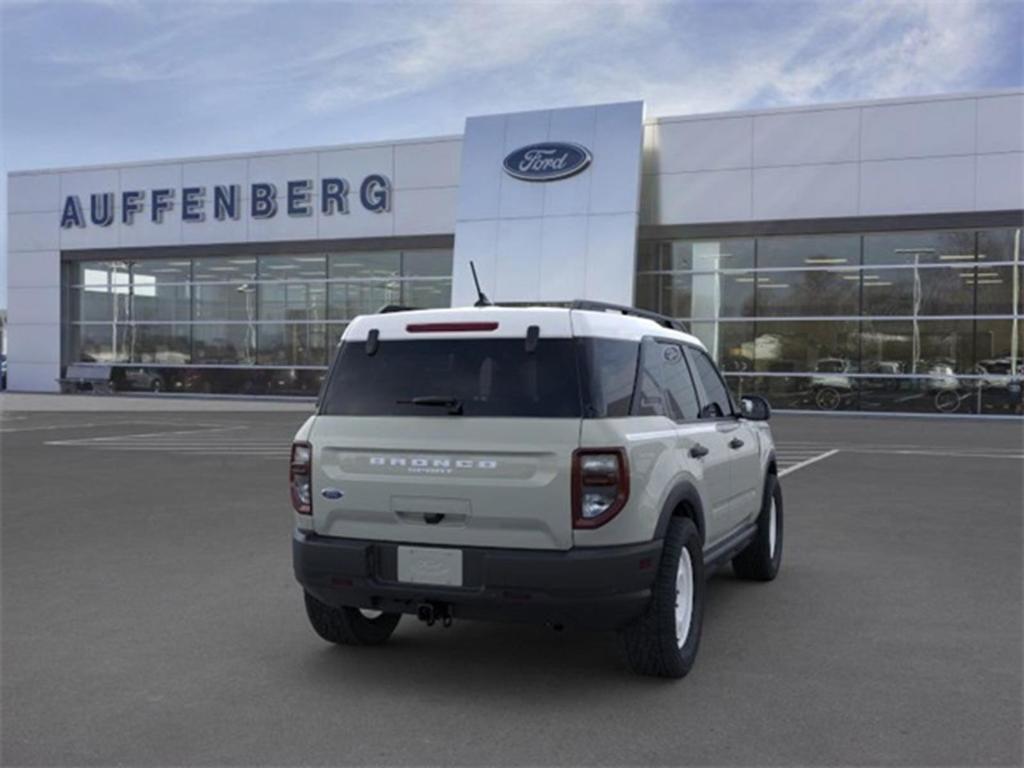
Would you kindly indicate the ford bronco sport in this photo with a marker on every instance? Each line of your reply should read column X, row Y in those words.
column 581, row 465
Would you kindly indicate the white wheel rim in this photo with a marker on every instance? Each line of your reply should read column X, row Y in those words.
column 684, row 597
column 369, row 613
column 772, row 528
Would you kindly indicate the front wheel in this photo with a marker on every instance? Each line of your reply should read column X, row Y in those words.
column 761, row 558
column 350, row 626
column 663, row 641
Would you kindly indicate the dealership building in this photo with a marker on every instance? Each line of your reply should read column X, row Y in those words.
column 858, row 256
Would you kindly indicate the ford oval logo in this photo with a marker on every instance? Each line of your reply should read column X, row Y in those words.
column 331, row 493
column 547, row 162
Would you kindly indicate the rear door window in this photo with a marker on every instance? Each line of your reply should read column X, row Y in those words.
column 487, row 377
column 664, row 384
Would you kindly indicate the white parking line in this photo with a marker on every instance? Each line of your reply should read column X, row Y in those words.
column 60, row 426
column 946, row 454
column 207, row 440
column 808, row 462
column 127, row 440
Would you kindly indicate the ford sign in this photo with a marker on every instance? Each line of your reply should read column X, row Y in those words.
column 547, row 162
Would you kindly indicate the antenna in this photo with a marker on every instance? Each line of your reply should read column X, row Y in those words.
column 482, row 300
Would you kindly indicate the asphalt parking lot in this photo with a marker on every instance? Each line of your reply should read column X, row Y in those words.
column 150, row 617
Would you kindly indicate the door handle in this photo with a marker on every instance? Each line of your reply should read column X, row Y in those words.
column 735, row 443
column 699, row 451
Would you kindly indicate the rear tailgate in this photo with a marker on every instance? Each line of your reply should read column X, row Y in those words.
column 448, row 481
column 451, row 427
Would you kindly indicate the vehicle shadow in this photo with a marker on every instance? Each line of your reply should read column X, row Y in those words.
column 441, row 660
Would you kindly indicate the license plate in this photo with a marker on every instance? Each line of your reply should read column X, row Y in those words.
column 425, row 565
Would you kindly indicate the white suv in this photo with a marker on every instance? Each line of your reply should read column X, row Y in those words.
column 581, row 465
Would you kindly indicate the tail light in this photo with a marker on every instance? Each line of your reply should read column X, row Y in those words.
column 300, row 474
column 600, row 485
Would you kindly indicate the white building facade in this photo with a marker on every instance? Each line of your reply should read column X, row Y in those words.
column 862, row 256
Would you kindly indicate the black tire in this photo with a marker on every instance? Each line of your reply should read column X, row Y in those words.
column 947, row 401
column 760, row 560
column 651, row 642
column 828, row 399
column 347, row 626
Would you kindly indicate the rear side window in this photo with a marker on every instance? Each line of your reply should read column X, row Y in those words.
column 608, row 371
column 714, row 388
column 487, row 377
column 664, row 385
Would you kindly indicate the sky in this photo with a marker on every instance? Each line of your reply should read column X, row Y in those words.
column 100, row 81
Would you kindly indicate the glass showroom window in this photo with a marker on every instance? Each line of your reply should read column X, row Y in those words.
column 886, row 321
column 257, row 324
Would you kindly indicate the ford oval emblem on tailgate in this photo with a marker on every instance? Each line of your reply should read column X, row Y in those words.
column 548, row 161
column 331, row 493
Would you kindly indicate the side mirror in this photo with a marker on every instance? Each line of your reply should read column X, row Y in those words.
column 755, row 408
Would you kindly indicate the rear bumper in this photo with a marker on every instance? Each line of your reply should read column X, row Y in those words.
column 598, row 588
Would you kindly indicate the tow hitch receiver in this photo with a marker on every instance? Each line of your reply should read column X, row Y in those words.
column 429, row 613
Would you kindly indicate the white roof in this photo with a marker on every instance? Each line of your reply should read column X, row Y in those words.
column 510, row 322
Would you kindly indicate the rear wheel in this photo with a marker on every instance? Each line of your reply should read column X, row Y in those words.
column 350, row 626
column 827, row 399
column 761, row 559
column 947, row 401
column 663, row 642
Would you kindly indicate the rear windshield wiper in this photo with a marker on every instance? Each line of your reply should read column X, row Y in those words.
column 453, row 404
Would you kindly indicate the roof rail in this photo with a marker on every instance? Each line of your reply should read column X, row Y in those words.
column 600, row 306
column 387, row 309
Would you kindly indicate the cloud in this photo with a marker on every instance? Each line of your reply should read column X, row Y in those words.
column 773, row 54
column 457, row 42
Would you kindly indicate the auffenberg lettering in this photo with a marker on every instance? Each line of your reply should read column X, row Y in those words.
column 297, row 198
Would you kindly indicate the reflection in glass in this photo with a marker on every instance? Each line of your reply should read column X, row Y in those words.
column 298, row 267
column 735, row 346
column 706, row 255
column 101, row 276
column 808, row 251
column 996, row 288
column 232, row 301
column 828, row 347
column 349, row 299
column 919, row 291
column 161, row 301
column 154, row 271
column 233, row 344
column 938, row 348
column 807, row 293
column 292, row 301
column 224, row 268
column 292, row 344
column 919, row 248
column 437, row 263
column 99, row 343
column 364, row 265
column 169, row 344
column 98, row 304
column 427, row 293
column 238, row 310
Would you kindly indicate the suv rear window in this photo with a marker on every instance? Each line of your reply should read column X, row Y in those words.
column 487, row 377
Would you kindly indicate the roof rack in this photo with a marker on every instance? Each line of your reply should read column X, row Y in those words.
column 600, row 306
